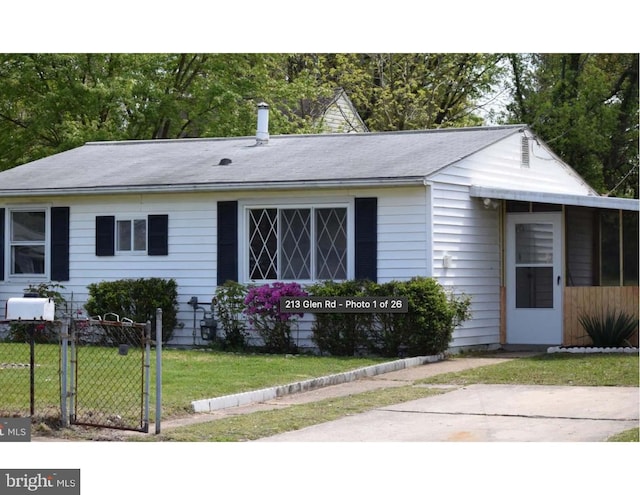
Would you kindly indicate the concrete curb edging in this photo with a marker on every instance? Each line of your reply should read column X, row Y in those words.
column 265, row 394
column 592, row 350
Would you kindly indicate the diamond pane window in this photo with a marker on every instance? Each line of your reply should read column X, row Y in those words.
column 263, row 244
column 331, row 244
column 297, row 243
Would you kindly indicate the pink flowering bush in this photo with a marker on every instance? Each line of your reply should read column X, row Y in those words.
column 262, row 307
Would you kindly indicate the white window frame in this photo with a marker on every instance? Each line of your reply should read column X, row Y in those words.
column 131, row 221
column 9, row 243
column 279, row 204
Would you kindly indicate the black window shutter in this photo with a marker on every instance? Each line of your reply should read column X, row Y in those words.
column 60, row 243
column 1, row 243
column 158, row 235
column 105, row 235
column 227, row 262
column 366, row 231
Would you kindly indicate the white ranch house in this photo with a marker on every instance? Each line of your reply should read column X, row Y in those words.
column 489, row 211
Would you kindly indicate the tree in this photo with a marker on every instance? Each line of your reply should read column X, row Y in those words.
column 585, row 106
column 402, row 91
column 53, row 102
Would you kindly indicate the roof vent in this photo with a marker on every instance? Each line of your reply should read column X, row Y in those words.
column 225, row 161
column 524, row 154
column 262, row 133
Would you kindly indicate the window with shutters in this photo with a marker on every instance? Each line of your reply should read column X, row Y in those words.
column 28, row 241
column 148, row 235
column 131, row 235
column 287, row 243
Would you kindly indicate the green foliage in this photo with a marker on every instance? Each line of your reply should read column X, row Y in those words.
column 136, row 299
column 425, row 329
column 585, row 106
column 262, row 307
column 612, row 329
column 54, row 102
column 228, row 305
column 45, row 332
column 341, row 334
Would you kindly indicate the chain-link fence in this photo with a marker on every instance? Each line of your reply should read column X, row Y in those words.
column 85, row 371
column 109, row 382
column 30, row 371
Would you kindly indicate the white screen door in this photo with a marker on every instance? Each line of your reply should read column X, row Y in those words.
column 534, row 278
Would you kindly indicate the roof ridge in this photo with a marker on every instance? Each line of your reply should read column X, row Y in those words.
column 319, row 135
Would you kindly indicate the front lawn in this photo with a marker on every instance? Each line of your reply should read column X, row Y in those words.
column 552, row 369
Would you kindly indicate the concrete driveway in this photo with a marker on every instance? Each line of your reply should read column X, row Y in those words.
column 488, row 413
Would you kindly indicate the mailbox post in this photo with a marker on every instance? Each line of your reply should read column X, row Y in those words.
column 30, row 310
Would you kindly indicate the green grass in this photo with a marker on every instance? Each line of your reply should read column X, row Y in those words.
column 552, row 369
column 187, row 375
column 193, row 375
column 631, row 435
column 267, row 423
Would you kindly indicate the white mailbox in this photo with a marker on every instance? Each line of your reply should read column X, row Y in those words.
column 30, row 309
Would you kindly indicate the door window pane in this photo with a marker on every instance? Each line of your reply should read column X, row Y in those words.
column 534, row 287
column 534, row 243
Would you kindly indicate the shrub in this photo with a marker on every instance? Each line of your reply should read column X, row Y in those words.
column 136, row 299
column 341, row 334
column 228, row 305
column 263, row 310
column 426, row 328
column 612, row 329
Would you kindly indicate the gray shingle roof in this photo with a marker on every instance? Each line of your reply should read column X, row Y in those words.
column 167, row 164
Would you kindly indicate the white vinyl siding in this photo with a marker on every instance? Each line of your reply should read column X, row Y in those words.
column 468, row 234
column 402, row 234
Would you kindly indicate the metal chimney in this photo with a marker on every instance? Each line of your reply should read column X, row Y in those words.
column 262, row 133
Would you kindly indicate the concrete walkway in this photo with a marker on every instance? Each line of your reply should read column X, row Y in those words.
column 370, row 381
column 489, row 413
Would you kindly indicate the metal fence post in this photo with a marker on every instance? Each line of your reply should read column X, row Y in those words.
column 64, row 370
column 74, row 367
column 158, row 368
column 147, row 373
column 32, row 369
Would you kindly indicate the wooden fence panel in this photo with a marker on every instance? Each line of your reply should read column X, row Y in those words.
column 595, row 301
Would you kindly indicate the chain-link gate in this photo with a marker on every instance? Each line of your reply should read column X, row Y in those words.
column 110, row 373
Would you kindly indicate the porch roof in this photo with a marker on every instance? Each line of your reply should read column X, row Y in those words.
column 556, row 198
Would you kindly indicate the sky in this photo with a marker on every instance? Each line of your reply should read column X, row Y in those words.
column 330, row 26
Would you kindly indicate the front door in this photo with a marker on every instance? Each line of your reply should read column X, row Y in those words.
column 534, row 278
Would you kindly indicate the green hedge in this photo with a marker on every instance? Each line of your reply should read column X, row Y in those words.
column 426, row 329
column 137, row 299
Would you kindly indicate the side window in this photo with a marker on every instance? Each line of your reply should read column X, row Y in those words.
column 27, row 240
column 137, row 235
column 131, row 235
